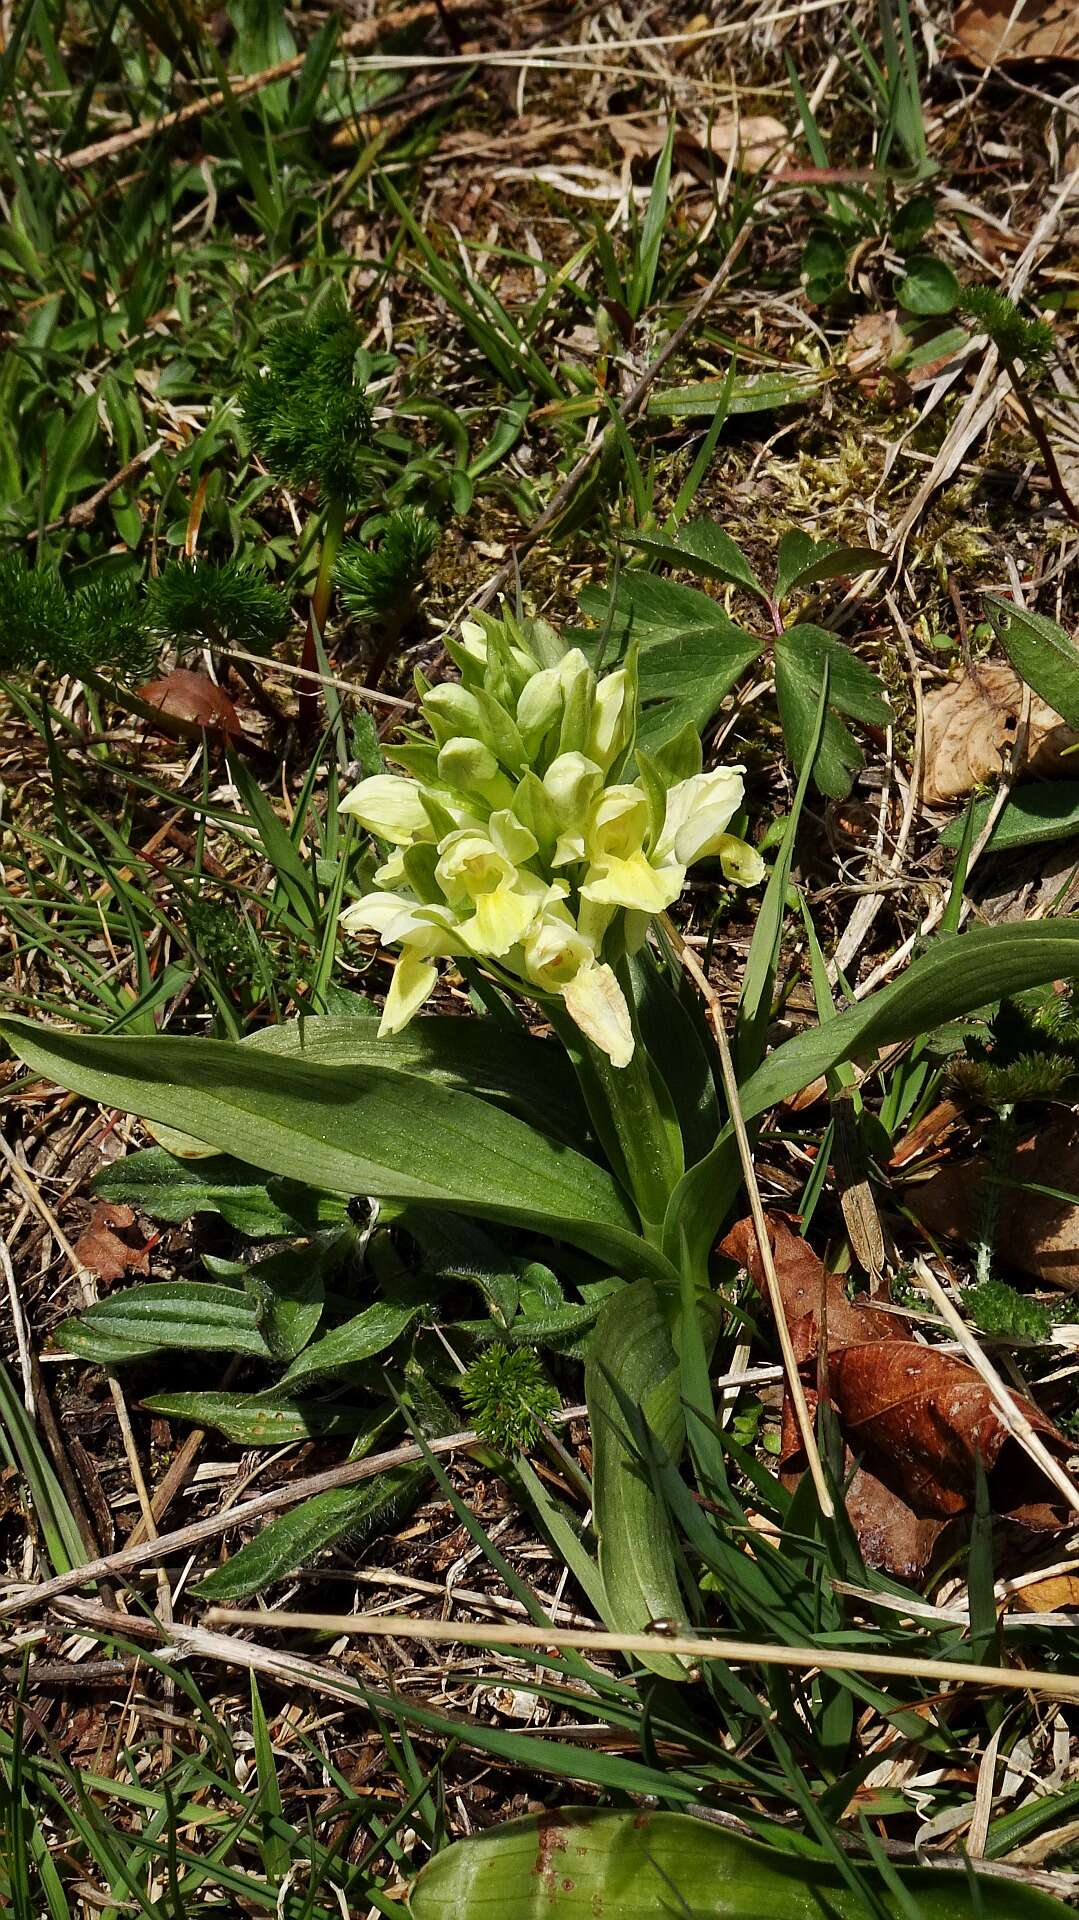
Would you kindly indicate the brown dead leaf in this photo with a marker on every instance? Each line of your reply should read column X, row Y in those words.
column 811, row 1295
column 892, row 1537
column 193, row 700
column 101, row 1248
column 922, row 1419
column 970, row 723
column 987, row 34
column 916, row 1419
column 1034, row 1234
column 753, row 138
column 1057, row 1593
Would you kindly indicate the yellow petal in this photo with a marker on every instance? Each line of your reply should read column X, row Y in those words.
column 501, row 920
column 389, row 805
column 634, row 883
column 413, row 979
column 740, row 862
column 595, row 1001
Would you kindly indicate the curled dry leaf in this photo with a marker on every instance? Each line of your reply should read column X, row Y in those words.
column 753, row 138
column 102, row 1248
column 1056, row 1593
column 970, row 723
column 995, row 33
column 916, row 1419
column 1040, row 1236
column 194, row 701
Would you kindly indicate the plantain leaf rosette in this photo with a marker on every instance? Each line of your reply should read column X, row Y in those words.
column 529, row 834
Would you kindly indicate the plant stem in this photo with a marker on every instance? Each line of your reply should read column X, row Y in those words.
column 635, row 1124
column 309, row 696
column 1000, row 1156
column 1045, row 446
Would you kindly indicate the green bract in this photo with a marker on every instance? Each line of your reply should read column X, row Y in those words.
column 522, row 840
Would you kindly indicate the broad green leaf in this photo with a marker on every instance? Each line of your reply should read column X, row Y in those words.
column 928, row 286
column 752, row 393
column 583, row 1861
column 354, row 1130
column 802, row 561
column 178, row 1190
column 1032, row 817
column 853, row 688
column 192, row 1316
column 268, row 1419
column 294, row 1538
column 702, row 547
column 957, row 976
column 289, row 1292
column 632, row 1377
column 691, row 653
column 502, row 1064
column 1041, row 653
column 355, row 1341
column 838, row 754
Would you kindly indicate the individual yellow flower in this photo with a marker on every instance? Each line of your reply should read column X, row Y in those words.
column 620, row 872
column 423, row 934
column 699, row 812
column 500, row 898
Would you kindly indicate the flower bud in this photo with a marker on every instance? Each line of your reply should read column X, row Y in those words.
column 539, row 707
column 471, row 766
column 390, row 806
column 612, row 718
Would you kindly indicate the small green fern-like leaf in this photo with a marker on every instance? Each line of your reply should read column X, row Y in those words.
column 220, row 604
column 1012, row 332
column 509, row 1396
column 100, row 627
column 377, row 582
column 1005, row 1314
column 305, row 409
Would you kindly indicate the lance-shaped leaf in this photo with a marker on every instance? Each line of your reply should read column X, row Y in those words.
column 582, row 1861
column 513, row 1069
column 632, row 1388
column 1040, row 652
column 957, row 976
column 358, row 1130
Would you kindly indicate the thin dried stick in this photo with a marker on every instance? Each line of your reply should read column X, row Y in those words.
column 1058, row 1686
column 760, row 1225
column 18, row 1321
column 354, row 687
column 867, row 909
column 83, row 513
column 365, row 33
column 1006, row 1405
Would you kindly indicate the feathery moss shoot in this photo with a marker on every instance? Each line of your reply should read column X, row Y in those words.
column 376, row 583
column 1004, row 1314
column 223, row 605
column 99, row 628
column 1013, row 334
column 305, row 410
column 509, row 1396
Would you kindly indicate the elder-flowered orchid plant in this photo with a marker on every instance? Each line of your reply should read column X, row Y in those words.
column 529, row 836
